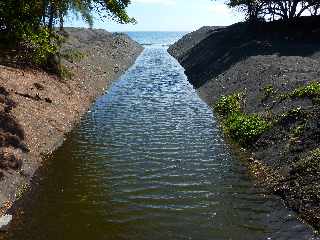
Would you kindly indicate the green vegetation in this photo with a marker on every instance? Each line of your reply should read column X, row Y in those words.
column 268, row 90
column 228, row 104
column 41, row 46
column 298, row 130
column 296, row 118
column 245, row 128
column 293, row 113
column 64, row 73
column 73, row 55
column 27, row 26
column 311, row 90
column 242, row 128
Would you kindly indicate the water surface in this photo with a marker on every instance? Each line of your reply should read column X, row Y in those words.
column 149, row 162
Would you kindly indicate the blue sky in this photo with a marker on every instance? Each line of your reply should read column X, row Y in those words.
column 170, row 15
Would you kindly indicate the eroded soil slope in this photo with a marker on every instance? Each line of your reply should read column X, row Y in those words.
column 37, row 109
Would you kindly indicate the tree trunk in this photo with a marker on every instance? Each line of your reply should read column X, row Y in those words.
column 293, row 10
column 51, row 18
column 61, row 21
column 44, row 11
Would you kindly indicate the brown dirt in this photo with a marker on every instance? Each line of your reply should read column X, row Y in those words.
column 37, row 109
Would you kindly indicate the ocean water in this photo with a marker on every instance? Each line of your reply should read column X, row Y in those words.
column 159, row 39
column 149, row 162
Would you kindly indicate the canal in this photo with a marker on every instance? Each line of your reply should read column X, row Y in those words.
column 149, row 162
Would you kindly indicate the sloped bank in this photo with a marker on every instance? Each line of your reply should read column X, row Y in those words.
column 38, row 109
column 263, row 83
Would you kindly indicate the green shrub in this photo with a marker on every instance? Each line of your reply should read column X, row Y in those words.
column 298, row 130
column 64, row 73
column 310, row 90
column 268, row 90
column 244, row 128
column 41, row 45
column 291, row 115
column 73, row 55
column 228, row 104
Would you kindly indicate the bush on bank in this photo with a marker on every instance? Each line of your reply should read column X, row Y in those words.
column 245, row 128
column 228, row 104
column 241, row 127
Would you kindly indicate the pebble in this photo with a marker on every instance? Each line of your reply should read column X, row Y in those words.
column 5, row 220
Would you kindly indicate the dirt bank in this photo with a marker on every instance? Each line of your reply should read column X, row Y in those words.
column 37, row 109
column 275, row 70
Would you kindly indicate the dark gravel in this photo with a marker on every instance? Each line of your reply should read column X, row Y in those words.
column 239, row 58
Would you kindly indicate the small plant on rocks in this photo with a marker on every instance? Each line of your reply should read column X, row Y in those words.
column 311, row 90
column 228, row 104
column 241, row 127
column 268, row 90
column 245, row 128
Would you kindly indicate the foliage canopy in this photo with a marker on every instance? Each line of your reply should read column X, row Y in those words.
column 28, row 24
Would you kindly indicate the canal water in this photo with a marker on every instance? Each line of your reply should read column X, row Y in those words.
column 148, row 162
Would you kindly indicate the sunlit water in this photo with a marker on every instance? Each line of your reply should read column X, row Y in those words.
column 149, row 162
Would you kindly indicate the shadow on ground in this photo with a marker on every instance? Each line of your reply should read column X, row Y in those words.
column 225, row 47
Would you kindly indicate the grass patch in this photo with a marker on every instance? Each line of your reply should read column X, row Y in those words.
column 268, row 90
column 293, row 113
column 64, row 73
column 228, row 104
column 241, row 127
column 298, row 130
column 73, row 55
column 292, row 116
column 244, row 128
column 311, row 90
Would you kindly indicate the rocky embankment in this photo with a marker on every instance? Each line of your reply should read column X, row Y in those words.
column 263, row 83
column 37, row 109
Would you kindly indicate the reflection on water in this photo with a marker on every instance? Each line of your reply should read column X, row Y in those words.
column 148, row 162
